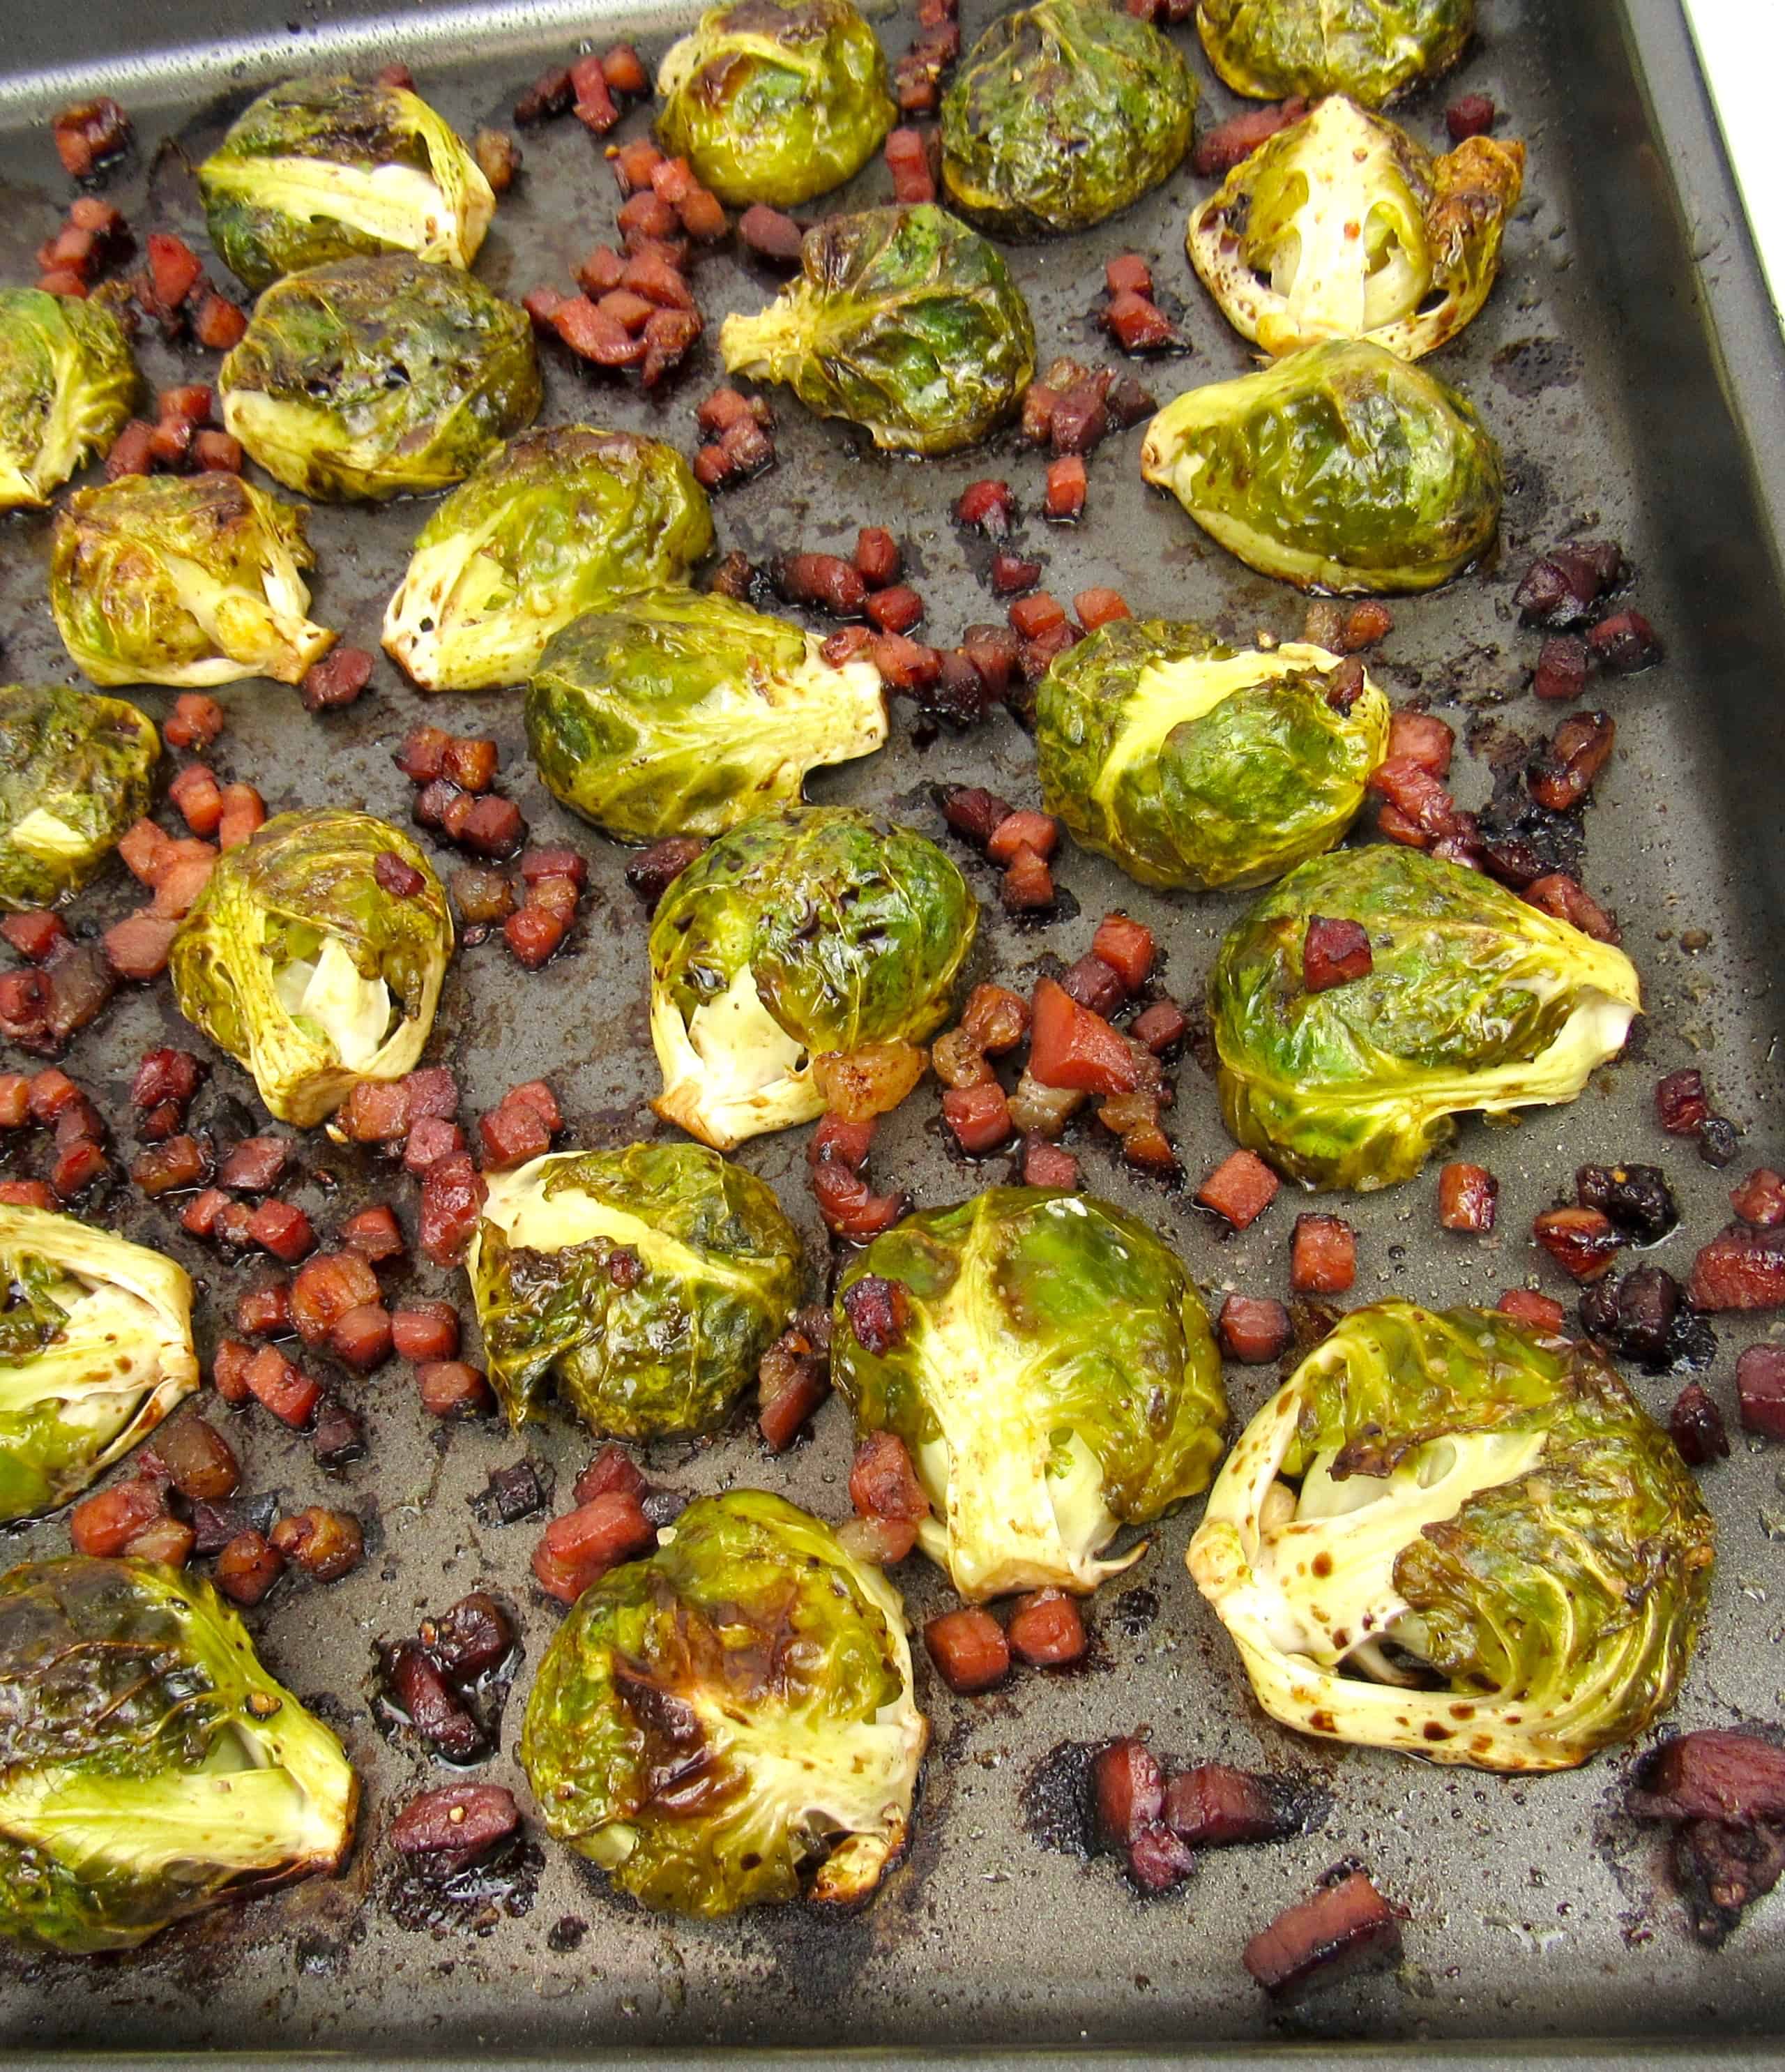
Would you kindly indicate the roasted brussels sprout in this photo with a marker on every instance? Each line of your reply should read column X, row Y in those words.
column 1474, row 1000
column 298, row 963
column 96, row 1348
column 152, row 1767
column 555, row 523
column 1454, row 1535
column 1340, row 468
column 775, row 103
column 75, row 772
column 731, row 1721
column 321, row 169
column 904, row 321
column 1342, row 226
column 1370, row 49
column 817, row 930
column 647, row 1283
column 68, row 384
column 1063, row 113
column 679, row 713
column 373, row 378
column 1194, row 764
column 188, row 579
column 1055, row 1378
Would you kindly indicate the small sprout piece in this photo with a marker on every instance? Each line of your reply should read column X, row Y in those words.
column 67, row 383
column 75, row 776
column 752, row 1652
column 1345, row 1927
column 1452, row 1500
column 969, row 1650
column 1373, row 50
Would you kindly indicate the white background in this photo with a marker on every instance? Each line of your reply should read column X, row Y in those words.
column 1742, row 45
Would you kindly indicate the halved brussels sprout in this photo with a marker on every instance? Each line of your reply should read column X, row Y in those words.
column 1342, row 226
column 321, row 169
column 820, row 929
column 775, row 103
column 373, row 378
column 1451, row 1534
column 1063, row 113
column 1370, row 49
column 1476, row 1000
column 1340, row 468
column 96, row 1348
column 555, row 523
column 76, row 771
column 187, row 579
column 68, row 386
column 647, row 1283
column 1057, row 1379
column 730, row 1723
column 153, row 1766
column 904, row 321
column 681, row 713
column 299, row 964
column 1191, row 763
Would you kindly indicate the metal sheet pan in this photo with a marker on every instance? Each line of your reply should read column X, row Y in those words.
column 1629, row 364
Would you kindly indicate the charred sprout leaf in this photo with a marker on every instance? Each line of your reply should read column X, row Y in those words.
column 96, row 1348
column 152, row 1766
column 819, row 929
column 1371, row 50
column 1063, row 113
column 904, row 321
column 555, row 523
column 374, row 378
column 731, row 1722
column 192, row 579
column 1342, row 226
column 68, row 384
column 1475, row 1001
column 1057, row 1379
column 681, row 713
column 1451, row 1534
column 1340, row 468
column 1192, row 764
column 299, row 964
column 75, row 771
column 321, row 169
column 645, row 1283
column 775, row 104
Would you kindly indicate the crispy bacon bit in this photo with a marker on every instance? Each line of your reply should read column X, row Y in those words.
column 1577, row 752
column 988, row 507
column 1322, row 1256
column 1213, row 1807
column 1760, row 1199
column 1128, row 1792
column 579, row 1549
column 1219, row 149
column 1636, row 1198
column 1046, row 1630
column 1637, row 1315
column 1099, row 605
column 88, row 134
column 1625, row 644
column 1345, row 1927
column 1760, row 1390
column 969, row 1650
column 974, row 813
column 1426, row 811
column 1569, row 900
column 285, row 1232
column 164, row 1169
column 793, row 1378
column 1697, row 1427
column 336, row 681
column 1253, row 1330
column 374, row 1234
column 254, row 1166
column 768, row 235
column 908, row 161
column 654, row 871
column 1127, row 947
column 882, row 1482
column 327, row 1287
column 1012, row 575
column 1561, row 588
column 1028, row 884
column 1334, row 953
column 247, row 1568
column 452, row 1388
column 1563, row 663
column 1045, row 1165
column 419, row 1690
column 825, row 581
column 1472, row 115
column 849, row 1206
column 1159, row 1027
column 1158, row 1861
column 1682, row 1105
column 244, row 810
column 195, row 722
column 1723, row 1791
column 326, row 1544
column 1422, row 740
column 286, row 1391
column 1138, row 324
column 1466, row 1197
column 879, row 1310
column 263, row 1311
column 1018, row 831
column 452, row 1199
column 1094, row 984
column 105, row 1524
column 1072, row 1048
column 456, row 1825
column 1064, row 502
column 1582, row 1242
column 1240, row 1188
column 978, row 1116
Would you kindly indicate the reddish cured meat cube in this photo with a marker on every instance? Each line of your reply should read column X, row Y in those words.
column 376, row 1112
column 1582, row 1242
column 1099, row 606
column 613, row 1468
column 1577, row 752
column 978, row 1116
column 15, row 1101
column 1412, row 791
column 105, row 1523
column 1018, row 831
column 491, row 827
column 144, row 848
column 1046, row 1164
column 136, row 948
column 50, row 1092
column 1423, row 740
column 594, row 334
column 1344, row 1928
column 229, row 1368
column 166, row 1167
column 1128, row 275
column 452, row 1199
column 1158, row 1861
column 285, row 1232
column 200, row 1215
column 173, row 268
column 973, row 813
column 1682, row 1105
column 244, row 810
column 451, row 1388
column 218, row 324
column 1760, row 1199
column 1213, row 1807
column 895, row 610
column 534, row 1094
column 1127, row 947
column 1334, row 953
column 199, row 797
column 512, row 1134
column 326, row 1544
column 1127, row 1792
column 132, row 452
column 1070, row 1047
column 1471, row 115
column 360, row 1337
column 35, row 935
column 1093, row 984
column 1046, row 1630
column 1011, row 575
column 255, row 1165
column 781, row 1415
column 1564, row 662
column 1253, row 1330
column 969, row 1650
column 195, row 722
column 1696, row 1426
column 634, row 164
column 286, row 1391
column 458, row 1823
column 703, row 216
column 1064, row 500
column 247, row 1568
column 1540, row 1312
column 1322, row 1256
column 1160, row 1026
column 1739, row 1269
column 1569, row 900
column 1241, row 1189
column 579, row 1549
column 908, row 161
column 1138, row 324
column 430, row 1331
column 1032, row 617
column 336, row 681
column 534, row 934
column 200, row 1462
column 987, row 506
column 374, row 1234
column 431, row 1138
column 906, row 665
column 767, row 234
column 263, row 1311
column 76, row 1169
column 26, row 1194
column 217, row 453
column 1625, row 644
column 1467, row 1195
column 882, row 1482
column 878, row 559
column 825, row 581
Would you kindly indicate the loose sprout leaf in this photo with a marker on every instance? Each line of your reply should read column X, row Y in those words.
column 76, row 771
column 1371, row 50
column 67, row 386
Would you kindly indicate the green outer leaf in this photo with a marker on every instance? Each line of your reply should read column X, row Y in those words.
column 86, row 762
column 1231, row 796
column 1339, row 468
column 903, row 320
column 1372, row 50
column 68, row 386
column 149, row 1765
column 1063, row 113
column 706, row 1723
column 1476, row 1000
column 775, row 104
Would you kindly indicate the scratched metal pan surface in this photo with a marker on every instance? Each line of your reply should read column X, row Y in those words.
column 1533, row 1910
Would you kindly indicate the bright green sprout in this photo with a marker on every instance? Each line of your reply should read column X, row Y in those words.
column 1372, row 50
column 68, row 386
column 76, row 771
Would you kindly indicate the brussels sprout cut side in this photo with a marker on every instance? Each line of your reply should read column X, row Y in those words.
column 1057, row 1379
column 679, row 713
column 1340, row 468
column 555, row 523
column 1191, row 763
column 1450, row 1535
column 191, row 580
column 775, row 104
column 76, row 771
column 1063, row 113
column 1279, row 246
column 647, row 1283
column 67, row 386
column 1370, row 49
column 819, row 929
column 300, row 964
column 1476, row 1000
column 903, row 320
column 152, row 1766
